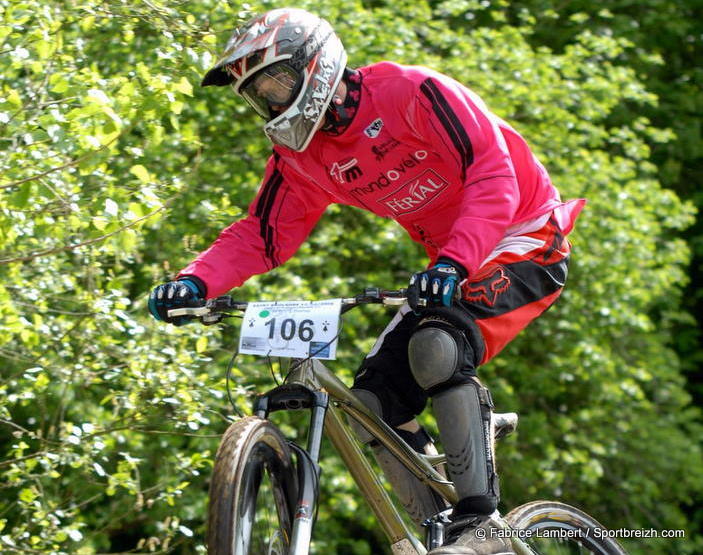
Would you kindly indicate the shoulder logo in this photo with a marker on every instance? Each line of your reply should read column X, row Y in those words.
column 374, row 129
column 346, row 170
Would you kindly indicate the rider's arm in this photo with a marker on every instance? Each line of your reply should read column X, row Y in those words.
column 282, row 215
column 460, row 124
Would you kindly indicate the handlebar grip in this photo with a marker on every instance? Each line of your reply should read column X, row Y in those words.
column 209, row 308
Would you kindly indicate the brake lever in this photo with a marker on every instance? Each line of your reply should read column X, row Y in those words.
column 212, row 311
column 197, row 311
column 211, row 319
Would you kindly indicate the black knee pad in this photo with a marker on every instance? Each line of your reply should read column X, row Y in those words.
column 440, row 355
column 462, row 320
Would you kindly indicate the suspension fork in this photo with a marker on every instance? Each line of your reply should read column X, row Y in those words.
column 297, row 396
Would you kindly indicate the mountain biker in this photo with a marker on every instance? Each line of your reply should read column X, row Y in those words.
column 411, row 144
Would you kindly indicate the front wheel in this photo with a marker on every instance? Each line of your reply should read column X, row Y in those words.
column 253, row 491
column 553, row 528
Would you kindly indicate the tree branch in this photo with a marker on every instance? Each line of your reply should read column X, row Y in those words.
column 31, row 256
column 72, row 163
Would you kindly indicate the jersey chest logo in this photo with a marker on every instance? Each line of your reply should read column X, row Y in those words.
column 346, row 171
column 415, row 194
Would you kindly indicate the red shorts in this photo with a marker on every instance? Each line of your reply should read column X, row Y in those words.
column 518, row 281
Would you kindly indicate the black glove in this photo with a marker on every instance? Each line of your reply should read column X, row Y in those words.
column 184, row 292
column 438, row 286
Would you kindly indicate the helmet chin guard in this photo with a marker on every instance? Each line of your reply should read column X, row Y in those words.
column 309, row 46
column 295, row 128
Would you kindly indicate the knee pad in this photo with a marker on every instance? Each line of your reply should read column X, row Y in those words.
column 463, row 416
column 440, row 356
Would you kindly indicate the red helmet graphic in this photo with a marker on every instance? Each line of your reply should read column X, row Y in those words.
column 287, row 64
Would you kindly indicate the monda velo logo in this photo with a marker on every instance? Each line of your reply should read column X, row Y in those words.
column 374, row 129
column 387, row 177
column 346, row 170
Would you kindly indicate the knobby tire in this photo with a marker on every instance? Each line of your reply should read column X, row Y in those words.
column 253, row 491
column 558, row 528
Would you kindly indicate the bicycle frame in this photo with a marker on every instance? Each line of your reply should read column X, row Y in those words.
column 311, row 385
column 313, row 377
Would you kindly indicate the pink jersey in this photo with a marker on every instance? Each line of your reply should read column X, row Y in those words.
column 422, row 150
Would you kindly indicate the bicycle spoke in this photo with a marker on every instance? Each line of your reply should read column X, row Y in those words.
column 265, row 533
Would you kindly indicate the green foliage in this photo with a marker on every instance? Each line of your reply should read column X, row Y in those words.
column 116, row 169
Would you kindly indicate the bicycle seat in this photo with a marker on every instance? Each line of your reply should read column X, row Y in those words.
column 504, row 423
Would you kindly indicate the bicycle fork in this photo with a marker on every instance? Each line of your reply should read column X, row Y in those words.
column 295, row 397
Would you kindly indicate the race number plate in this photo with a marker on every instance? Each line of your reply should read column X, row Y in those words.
column 296, row 329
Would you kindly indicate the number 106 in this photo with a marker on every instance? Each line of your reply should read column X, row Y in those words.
column 290, row 327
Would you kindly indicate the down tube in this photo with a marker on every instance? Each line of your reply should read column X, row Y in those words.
column 415, row 463
column 403, row 542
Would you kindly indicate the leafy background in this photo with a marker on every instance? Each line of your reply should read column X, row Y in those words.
column 116, row 169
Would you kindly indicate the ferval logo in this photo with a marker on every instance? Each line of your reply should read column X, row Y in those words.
column 415, row 194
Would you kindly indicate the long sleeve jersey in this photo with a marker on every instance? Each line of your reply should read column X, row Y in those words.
column 423, row 150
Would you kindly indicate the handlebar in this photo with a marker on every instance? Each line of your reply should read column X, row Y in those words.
column 214, row 310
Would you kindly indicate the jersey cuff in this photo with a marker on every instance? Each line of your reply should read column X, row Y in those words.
column 199, row 283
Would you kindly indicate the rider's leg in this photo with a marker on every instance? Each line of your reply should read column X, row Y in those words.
column 417, row 498
column 514, row 287
column 443, row 363
column 385, row 385
column 500, row 299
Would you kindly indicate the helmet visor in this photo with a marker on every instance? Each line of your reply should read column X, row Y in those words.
column 272, row 89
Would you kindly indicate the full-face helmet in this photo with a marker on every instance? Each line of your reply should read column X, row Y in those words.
column 287, row 64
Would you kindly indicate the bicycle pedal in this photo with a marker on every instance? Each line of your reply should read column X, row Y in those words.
column 442, row 529
column 463, row 523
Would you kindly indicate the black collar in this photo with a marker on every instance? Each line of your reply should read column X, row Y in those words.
column 338, row 118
